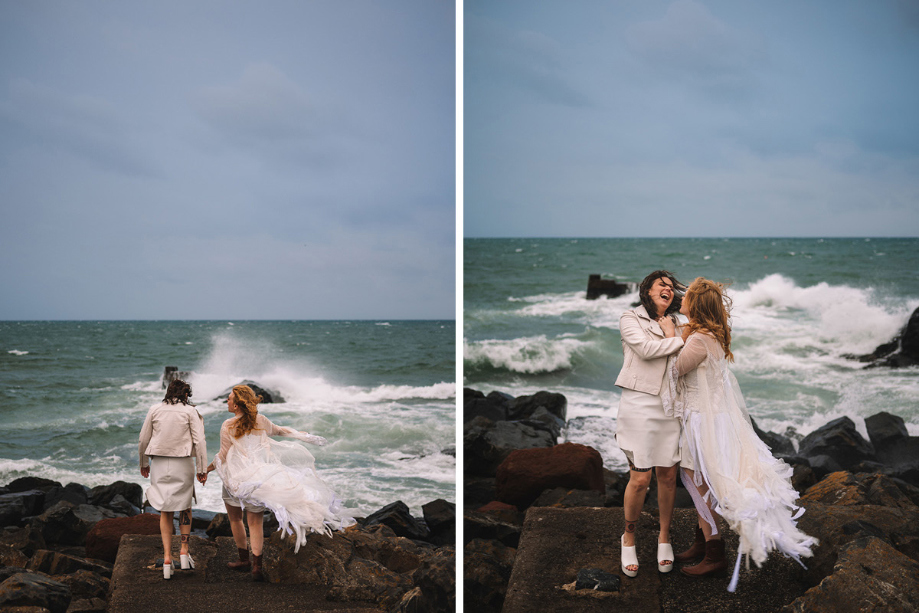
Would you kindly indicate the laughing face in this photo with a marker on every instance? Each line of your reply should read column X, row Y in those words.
column 661, row 294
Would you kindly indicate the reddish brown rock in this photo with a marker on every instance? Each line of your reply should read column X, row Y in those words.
column 843, row 488
column 102, row 541
column 523, row 476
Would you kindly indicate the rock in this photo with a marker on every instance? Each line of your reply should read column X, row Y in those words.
column 57, row 563
column 85, row 584
column 564, row 498
column 843, row 488
column 803, row 478
column 120, row 504
column 14, row 506
column 269, row 396
column 440, row 516
column 103, row 495
column 88, row 605
column 68, row 524
column 25, row 540
column 75, row 493
column 369, row 580
column 478, row 490
column 414, row 601
column 396, row 553
column 527, row 472
column 503, row 511
column 171, row 373
column 597, row 286
column 523, row 407
column 885, row 429
column 397, row 517
column 484, row 526
column 103, row 539
column 833, row 525
column 487, row 444
column 615, row 484
column 487, row 568
column 822, row 465
column 776, row 442
column 31, row 589
column 219, row 526
column 596, row 579
column 437, row 579
column 544, row 420
column 869, row 576
column 23, row 484
column 839, row 440
column 492, row 407
column 450, row 451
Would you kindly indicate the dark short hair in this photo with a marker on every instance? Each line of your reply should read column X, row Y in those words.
column 178, row 391
column 645, row 287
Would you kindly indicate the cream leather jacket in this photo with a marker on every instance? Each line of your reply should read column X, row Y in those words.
column 644, row 351
column 175, row 430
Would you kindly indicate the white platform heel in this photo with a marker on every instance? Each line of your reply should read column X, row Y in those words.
column 187, row 561
column 628, row 557
column 167, row 570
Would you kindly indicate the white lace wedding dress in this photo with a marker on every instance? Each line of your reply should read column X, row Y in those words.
column 746, row 485
column 280, row 475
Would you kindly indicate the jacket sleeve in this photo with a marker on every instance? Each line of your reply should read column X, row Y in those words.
column 146, row 432
column 198, row 443
column 646, row 348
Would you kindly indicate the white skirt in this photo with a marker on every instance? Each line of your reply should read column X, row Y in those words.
column 172, row 483
column 645, row 434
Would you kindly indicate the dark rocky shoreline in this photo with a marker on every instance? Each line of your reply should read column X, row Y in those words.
column 861, row 499
column 59, row 545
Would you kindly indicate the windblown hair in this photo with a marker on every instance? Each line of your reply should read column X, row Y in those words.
column 178, row 391
column 645, row 287
column 710, row 311
column 247, row 403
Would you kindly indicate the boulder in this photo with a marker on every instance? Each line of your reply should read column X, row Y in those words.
column 269, row 396
column 503, row 511
column 35, row 590
column 88, row 605
column 525, row 473
column 598, row 286
column 104, row 495
column 24, row 542
column 75, row 493
column 57, row 563
column 396, row 553
column 478, row 490
column 885, row 429
column 869, row 576
column 23, row 484
column 596, row 579
column 103, row 539
column 843, row 488
column 840, row 441
column 437, row 579
column 85, row 584
column 493, row 406
column 368, row 580
column 14, row 506
column 487, row 569
column 487, row 444
column 523, row 407
column 561, row 497
column 440, row 516
column 68, row 524
column 171, row 373
column 822, row 465
column 485, row 526
column 219, row 526
column 414, row 601
column 780, row 445
column 397, row 516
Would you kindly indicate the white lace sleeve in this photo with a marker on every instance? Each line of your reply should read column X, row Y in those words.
column 274, row 430
column 690, row 356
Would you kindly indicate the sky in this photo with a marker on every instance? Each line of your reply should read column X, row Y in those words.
column 647, row 118
column 240, row 160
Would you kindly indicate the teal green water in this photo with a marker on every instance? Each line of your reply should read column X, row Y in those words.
column 799, row 306
column 74, row 396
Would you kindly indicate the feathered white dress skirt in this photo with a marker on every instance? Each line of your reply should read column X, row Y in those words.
column 172, row 483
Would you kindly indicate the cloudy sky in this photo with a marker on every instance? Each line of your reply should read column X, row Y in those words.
column 691, row 118
column 197, row 160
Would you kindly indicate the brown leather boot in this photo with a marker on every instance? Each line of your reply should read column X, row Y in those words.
column 696, row 551
column 257, row 568
column 243, row 563
column 712, row 564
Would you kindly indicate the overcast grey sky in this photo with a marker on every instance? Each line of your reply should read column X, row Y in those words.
column 197, row 160
column 691, row 118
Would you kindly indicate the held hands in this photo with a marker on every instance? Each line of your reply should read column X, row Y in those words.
column 667, row 326
column 202, row 478
column 145, row 471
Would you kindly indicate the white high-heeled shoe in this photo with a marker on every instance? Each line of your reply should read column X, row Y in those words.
column 664, row 552
column 167, row 570
column 628, row 557
column 187, row 561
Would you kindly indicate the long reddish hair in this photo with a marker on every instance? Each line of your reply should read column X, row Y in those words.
column 247, row 403
column 710, row 311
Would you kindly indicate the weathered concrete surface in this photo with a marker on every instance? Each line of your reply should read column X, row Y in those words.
column 556, row 543
column 137, row 585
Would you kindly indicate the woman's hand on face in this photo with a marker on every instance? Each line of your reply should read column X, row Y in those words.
column 667, row 326
column 145, row 472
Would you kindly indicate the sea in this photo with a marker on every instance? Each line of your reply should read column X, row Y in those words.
column 74, row 395
column 800, row 305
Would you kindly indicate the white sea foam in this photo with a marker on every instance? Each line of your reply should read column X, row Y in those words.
column 603, row 312
column 526, row 355
column 18, row 352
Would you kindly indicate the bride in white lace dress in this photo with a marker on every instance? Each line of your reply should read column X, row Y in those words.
column 726, row 468
column 259, row 473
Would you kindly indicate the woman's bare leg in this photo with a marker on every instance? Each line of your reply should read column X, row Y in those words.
column 633, row 502
column 706, row 527
column 184, row 530
column 166, row 529
column 235, row 515
column 256, row 531
column 666, row 493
